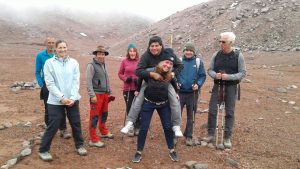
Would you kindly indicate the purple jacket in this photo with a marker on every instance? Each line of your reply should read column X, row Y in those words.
column 127, row 69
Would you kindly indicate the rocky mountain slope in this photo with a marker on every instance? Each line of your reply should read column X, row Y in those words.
column 262, row 25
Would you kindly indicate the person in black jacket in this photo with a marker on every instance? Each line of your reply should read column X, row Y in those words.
column 150, row 59
column 156, row 98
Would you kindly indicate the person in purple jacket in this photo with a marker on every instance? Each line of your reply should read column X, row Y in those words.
column 127, row 75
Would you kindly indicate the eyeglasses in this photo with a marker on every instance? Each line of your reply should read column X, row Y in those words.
column 222, row 41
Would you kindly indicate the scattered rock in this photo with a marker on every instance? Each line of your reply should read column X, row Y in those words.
column 25, row 152
column 292, row 102
column 5, row 166
column 296, row 108
column 210, row 145
column 281, row 90
column 201, row 166
column 26, row 144
column 247, row 80
column 287, row 112
column 2, row 127
column 260, row 118
column 231, row 163
column 7, row 125
column 203, row 143
column 190, row 164
column 12, row 162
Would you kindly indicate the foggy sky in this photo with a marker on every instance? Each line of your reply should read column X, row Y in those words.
column 152, row 9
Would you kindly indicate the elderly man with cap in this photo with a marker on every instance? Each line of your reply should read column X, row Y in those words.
column 100, row 95
column 190, row 80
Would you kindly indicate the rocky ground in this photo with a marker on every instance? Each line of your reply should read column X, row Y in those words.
column 266, row 133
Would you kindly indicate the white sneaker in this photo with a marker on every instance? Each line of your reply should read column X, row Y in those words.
column 45, row 156
column 177, row 131
column 127, row 127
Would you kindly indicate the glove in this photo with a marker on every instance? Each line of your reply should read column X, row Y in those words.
column 135, row 82
column 128, row 80
column 111, row 98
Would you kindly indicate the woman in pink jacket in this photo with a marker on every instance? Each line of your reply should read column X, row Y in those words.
column 127, row 75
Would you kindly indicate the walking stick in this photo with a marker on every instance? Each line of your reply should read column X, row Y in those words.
column 125, row 117
column 220, row 113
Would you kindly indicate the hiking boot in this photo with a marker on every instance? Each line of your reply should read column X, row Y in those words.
column 127, row 127
column 64, row 134
column 98, row 144
column 177, row 131
column 108, row 135
column 208, row 138
column 137, row 157
column 189, row 141
column 227, row 143
column 81, row 151
column 173, row 155
column 46, row 156
column 130, row 133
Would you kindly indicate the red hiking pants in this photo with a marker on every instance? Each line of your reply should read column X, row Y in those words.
column 98, row 116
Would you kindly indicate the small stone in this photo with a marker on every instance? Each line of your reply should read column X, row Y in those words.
column 203, row 143
column 281, row 90
column 7, row 125
column 197, row 142
column 247, row 81
column 284, row 101
column 2, row 127
column 190, row 164
column 292, row 102
column 25, row 152
column 201, row 166
column 26, row 144
column 260, row 118
column 27, row 124
column 5, row 166
column 287, row 112
column 231, row 163
column 11, row 162
column 296, row 108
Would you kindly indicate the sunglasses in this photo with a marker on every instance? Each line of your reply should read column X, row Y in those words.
column 222, row 41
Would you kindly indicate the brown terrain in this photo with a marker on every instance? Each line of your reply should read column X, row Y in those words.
column 266, row 133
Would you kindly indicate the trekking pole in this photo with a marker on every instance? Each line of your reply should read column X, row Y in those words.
column 125, row 117
column 220, row 113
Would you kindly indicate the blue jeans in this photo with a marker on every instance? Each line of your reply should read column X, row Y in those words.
column 164, row 113
column 56, row 113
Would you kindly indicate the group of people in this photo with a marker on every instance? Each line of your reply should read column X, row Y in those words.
column 158, row 80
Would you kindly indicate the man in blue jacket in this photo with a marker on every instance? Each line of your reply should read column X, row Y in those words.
column 191, row 79
column 41, row 58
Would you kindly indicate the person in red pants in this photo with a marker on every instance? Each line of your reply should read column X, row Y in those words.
column 100, row 94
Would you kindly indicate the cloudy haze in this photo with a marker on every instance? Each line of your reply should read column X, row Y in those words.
column 152, row 9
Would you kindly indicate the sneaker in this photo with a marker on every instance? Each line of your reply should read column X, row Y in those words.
column 46, row 156
column 189, row 141
column 108, row 135
column 81, row 151
column 127, row 127
column 208, row 138
column 227, row 143
column 64, row 134
column 173, row 155
column 130, row 133
column 137, row 157
column 98, row 144
column 177, row 131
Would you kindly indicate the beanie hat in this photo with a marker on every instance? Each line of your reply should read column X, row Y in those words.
column 189, row 46
column 167, row 57
column 131, row 45
column 155, row 39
